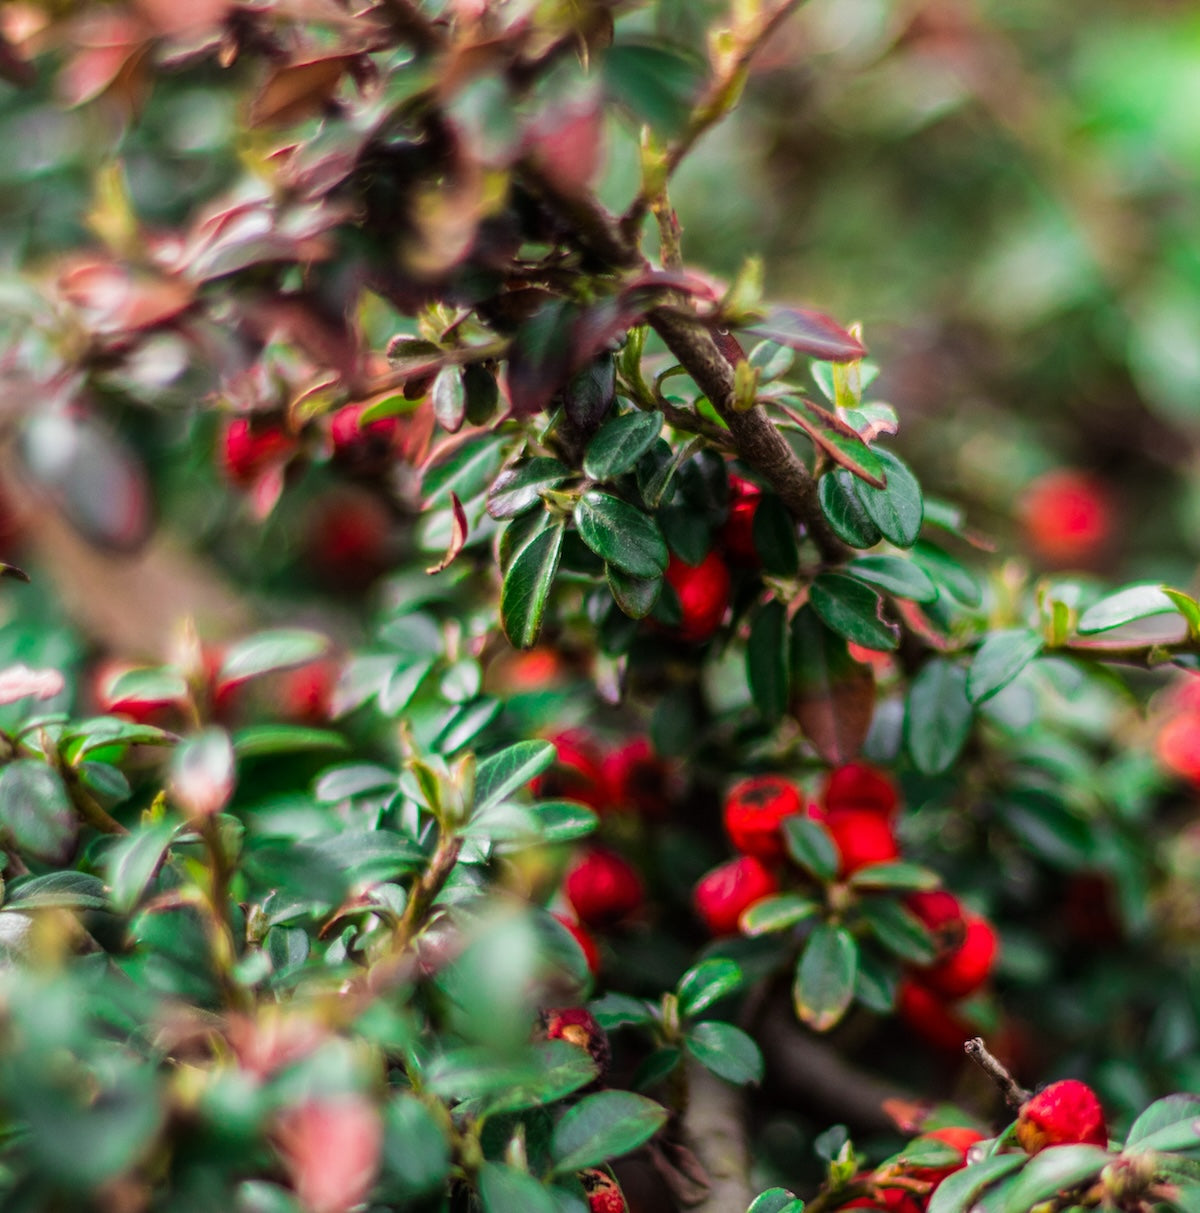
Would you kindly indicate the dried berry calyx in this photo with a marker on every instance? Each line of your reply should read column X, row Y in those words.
column 578, row 1026
column 1064, row 1113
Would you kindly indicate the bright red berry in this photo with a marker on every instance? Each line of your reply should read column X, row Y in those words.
column 755, row 809
column 863, row 838
column 362, row 448
column 721, row 895
column 248, row 448
column 1067, row 515
column 577, row 773
column 602, row 888
column 1064, row 1113
column 943, row 915
column 604, row 1194
column 928, row 1016
column 855, row 785
column 703, row 593
column 957, row 1137
column 737, row 535
column 888, row 1200
column 578, row 1026
column 587, row 945
column 305, row 694
column 1179, row 746
column 968, row 966
column 637, row 780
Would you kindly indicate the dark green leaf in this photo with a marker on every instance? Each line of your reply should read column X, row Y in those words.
column 898, row 509
column 467, row 471
column 72, row 890
column 947, row 573
column 939, row 716
column 894, row 575
column 539, row 359
column 620, row 443
column 655, row 1067
column 1051, row 1171
column 898, row 930
column 898, row 875
column 346, row 781
column 265, row 652
column 519, row 488
column 844, row 512
column 727, row 1051
column 402, row 684
column 37, row 812
column 130, row 863
column 603, row 1126
column 621, row 534
column 657, row 82
column 527, row 586
column 1183, row 1134
column 810, row 845
column 767, row 661
column 465, row 723
column 264, row 740
column 706, row 983
column 562, row 1069
column 416, row 1154
column 778, row 913
column 1132, row 603
column 833, row 436
column 617, row 1010
column 369, row 856
column 776, row 1200
column 504, row 1189
column 502, row 774
column 635, row 596
column 959, row 1191
column 483, row 394
column 853, row 610
column 774, row 532
column 824, row 985
column 687, row 530
column 563, row 821
column 1001, row 657
column 107, row 784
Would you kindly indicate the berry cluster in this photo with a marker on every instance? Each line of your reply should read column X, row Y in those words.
column 907, row 1188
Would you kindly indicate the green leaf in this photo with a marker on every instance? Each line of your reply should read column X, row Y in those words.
column 416, row 1155
column 907, row 877
column 621, row 534
column 130, row 863
column 369, row 856
column 898, row 930
column 658, row 83
column 266, row 652
column 853, row 610
column 562, row 1069
column 778, row 913
column 527, row 586
column 655, row 1067
column 726, row 1050
column 466, row 472
column 824, row 985
column 706, row 983
column 767, row 661
column 618, row 1010
column 512, row 768
column 402, row 684
column 947, row 573
column 1162, row 1114
column 620, row 443
column 844, row 512
column 898, row 509
column 894, row 575
column 37, row 812
column 264, row 740
column 776, row 1200
column 938, row 717
column 603, row 1126
column 449, row 398
column 960, row 1190
column 348, row 780
column 809, row 843
column 1051, row 1171
column 636, row 596
column 774, row 533
column 1125, row 606
column 833, row 436
column 504, row 1189
column 1183, row 1135
column 71, row 890
column 1001, row 657
column 1188, row 607
column 563, row 820
column 161, row 684
column 519, row 488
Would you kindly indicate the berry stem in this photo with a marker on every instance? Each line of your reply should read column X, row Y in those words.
column 1014, row 1094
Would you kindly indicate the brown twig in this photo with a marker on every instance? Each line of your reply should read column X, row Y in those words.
column 1014, row 1094
column 714, row 1129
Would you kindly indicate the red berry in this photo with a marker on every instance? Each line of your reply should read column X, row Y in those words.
column 348, row 539
column 959, row 1138
column 578, row 1026
column 362, row 448
column 889, row 1200
column 1067, row 515
column 737, row 535
column 721, row 895
column 855, row 785
column 754, row 810
column 602, row 888
column 1064, row 1113
column 942, row 913
column 587, row 945
column 1179, row 746
column 248, row 448
column 637, row 780
column 928, row 1016
column 863, row 838
column 703, row 592
column 577, row 773
column 604, row 1194
column 968, row 966
column 305, row 693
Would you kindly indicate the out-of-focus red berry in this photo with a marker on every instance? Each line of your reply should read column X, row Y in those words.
column 863, row 837
column 362, row 448
column 942, row 913
column 249, row 447
column 577, row 773
column 1067, row 516
column 856, row 785
column 928, row 1016
column 602, row 888
column 1063, row 1114
column 755, row 809
column 720, row 896
column 737, row 535
column 637, row 780
column 1178, row 746
column 969, row 965
column 703, row 592
column 305, row 693
column 347, row 541
column 887, row 1200
column 957, row 1137
column 587, row 945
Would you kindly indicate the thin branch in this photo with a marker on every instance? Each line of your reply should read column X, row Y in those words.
column 1014, row 1094
column 714, row 1129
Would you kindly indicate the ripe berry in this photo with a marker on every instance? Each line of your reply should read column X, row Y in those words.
column 754, row 810
column 1179, row 746
column 927, row 1015
column 888, row 1200
column 942, row 913
column 348, row 539
column 1067, row 516
column 855, row 785
column 587, row 945
column 721, row 895
column 578, row 1026
column 602, row 888
column 304, row 694
column 365, row 449
column 737, row 535
column 604, row 1194
column 1064, row 1113
column 703, row 593
column 577, row 773
column 959, row 1138
column 248, row 448
column 637, row 780
column 863, row 838
column 967, row 967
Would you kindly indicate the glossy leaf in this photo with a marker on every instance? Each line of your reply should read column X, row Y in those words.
column 504, row 1189
column 36, row 811
column 938, row 718
column 620, row 443
column 779, row 913
column 810, row 844
column 70, row 890
column 774, row 533
column 844, row 512
column 706, row 983
column 512, row 768
column 853, row 610
column 636, row 596
column 518, row 488
column 1001, row 657
column 1163, row 1114
column 895, row 875
column 1125, row 606
column 898, row 509
column 809, row 332
column 268, row 652
column 621, row 534
column 657, row 82
column 726, row 1050
column 130, row 864
column 824, row 985
column 526, row 587
column 1051, row 1171
column 894, row 575
column 776, row 1200
column 947, row 573
column 767, row 660
column 899, row 930
column 603, row 1126
column 959, row 1191
column 833, row 436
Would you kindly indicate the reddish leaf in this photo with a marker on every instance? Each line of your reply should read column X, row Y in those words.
column 810, row 332
column 298, row 90
column 107, row 52
column 836, row 439
column 19, row 682
column 172, row 19
column 833, row 696
column 566, row 142
column 458, row 536
column 330, row 1148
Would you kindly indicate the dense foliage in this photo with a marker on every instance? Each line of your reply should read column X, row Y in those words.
column 480, row 691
